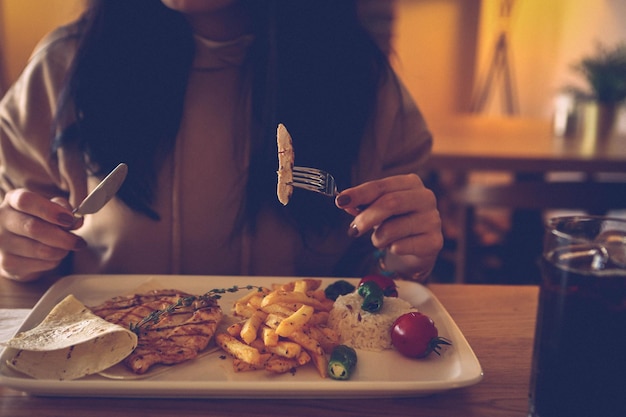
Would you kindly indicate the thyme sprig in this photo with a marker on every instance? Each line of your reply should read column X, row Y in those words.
column 212, row 295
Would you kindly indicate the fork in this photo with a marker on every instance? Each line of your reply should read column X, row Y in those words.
column 316, row 180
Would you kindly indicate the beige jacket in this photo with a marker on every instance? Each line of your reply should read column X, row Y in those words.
column 199, row 191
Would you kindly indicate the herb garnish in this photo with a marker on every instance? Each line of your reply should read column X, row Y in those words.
column 214, row 294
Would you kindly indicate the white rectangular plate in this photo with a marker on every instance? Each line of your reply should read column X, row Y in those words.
column 378, row 374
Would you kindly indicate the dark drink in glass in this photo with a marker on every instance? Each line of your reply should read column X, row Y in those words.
column 579, row 365
column 579, row 360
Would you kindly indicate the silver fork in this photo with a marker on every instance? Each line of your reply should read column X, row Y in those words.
column 316, row 180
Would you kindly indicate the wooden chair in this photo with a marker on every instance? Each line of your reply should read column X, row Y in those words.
column 593, row 197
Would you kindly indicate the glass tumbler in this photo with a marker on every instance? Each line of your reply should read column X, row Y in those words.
column 579, row 356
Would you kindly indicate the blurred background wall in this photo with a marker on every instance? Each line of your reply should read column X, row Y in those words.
column 22, row 24
column 441, row 48
column 444, row 48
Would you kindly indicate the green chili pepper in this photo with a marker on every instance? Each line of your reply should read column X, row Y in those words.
column 372, row 296
column 342, row 362
column 338, row 288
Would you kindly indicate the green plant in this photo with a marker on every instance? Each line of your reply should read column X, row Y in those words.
column 605, row 72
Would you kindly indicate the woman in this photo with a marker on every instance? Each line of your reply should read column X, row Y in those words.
column 189, row 95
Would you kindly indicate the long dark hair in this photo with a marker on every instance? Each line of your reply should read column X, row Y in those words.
column 311, row 67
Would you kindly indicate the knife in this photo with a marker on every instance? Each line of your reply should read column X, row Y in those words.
column 103, row 192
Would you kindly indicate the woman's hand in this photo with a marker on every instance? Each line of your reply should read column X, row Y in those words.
column 34, row 234
column 403, row 215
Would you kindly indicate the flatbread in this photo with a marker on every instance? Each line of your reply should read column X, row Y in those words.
column 71, row 342
column 286, row 158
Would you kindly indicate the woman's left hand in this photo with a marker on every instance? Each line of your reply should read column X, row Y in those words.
column 403, row 215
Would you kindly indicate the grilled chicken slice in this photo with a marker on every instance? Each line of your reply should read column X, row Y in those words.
column 174, row 337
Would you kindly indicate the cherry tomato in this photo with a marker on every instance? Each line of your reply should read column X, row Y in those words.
column 387, row 284
column 415, row 335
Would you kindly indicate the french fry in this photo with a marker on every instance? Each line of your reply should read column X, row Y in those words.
column 303, row 358
column 326, row 337
column 250, row 328
column 242, row 366
column 321, row 363
column 269, row 336
column 238, row 349
column 330, row 333
column 319, row 318
column 284, row 309
column 234, row 329
column 312, row 284
column 318, row 295
column 306, row 342
column 259, row 345
column 285, row 349
column 256, row 301
column 243, row 310
column 281, row 296
column 295, row 322
column 282, row 329
column 321, row 297
column 273, row 320
column 308, row 284
column 249, row 303
column 244, row 299
column 300, row 286
column 327, row 304
column 280, row 365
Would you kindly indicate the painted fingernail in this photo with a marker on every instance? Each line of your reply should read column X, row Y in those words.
column 80, row 244
column 66, row 219
column 353, row 231
column 343, row 200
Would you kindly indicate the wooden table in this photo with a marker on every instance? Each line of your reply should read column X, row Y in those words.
column 526, row 150
column 498, row 322
column 521, row 145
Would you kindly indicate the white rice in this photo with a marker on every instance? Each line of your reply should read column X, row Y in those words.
column 364, row 330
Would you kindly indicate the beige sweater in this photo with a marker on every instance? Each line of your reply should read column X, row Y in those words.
column 200, row 186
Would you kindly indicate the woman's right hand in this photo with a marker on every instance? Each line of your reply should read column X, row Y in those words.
column 35, row 234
